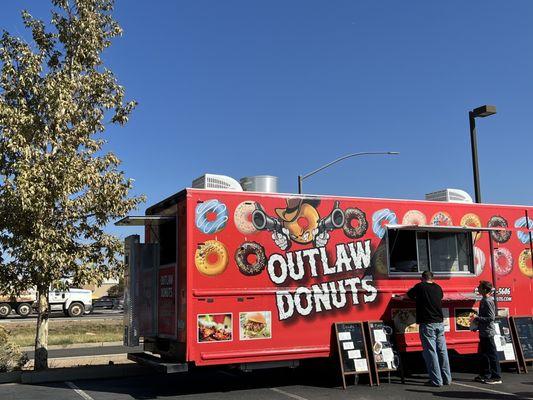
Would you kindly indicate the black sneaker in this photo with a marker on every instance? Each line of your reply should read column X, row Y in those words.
column 480, row 379
column 431, row 384
column 493, row 381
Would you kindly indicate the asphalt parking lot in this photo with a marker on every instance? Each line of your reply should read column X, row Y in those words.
column 277, row 384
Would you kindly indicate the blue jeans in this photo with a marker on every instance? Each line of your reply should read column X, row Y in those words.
column 435, row 353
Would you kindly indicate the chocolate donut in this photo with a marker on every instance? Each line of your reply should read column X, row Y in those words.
column 498, row 221
column 354, row 232
column 241, row 258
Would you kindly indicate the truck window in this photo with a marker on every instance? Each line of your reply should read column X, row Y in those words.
column 412, row 252
column 167, row 242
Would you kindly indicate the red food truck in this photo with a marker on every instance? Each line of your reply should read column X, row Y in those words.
column 250, row 278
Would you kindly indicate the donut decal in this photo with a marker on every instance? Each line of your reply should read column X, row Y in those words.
column 479, row 261
column 211, row 216
column 441, row 219
column 471, row 220
column 243, row 217
column 380, row 220
column 251, row 258
column 355, row 224
column 414, row 217
column 525, row 264
column 299, row 222
column 503, row 261
column 523, row 223
column 211, row 258
column 498, row 221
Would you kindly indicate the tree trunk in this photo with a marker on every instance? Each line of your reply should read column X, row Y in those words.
column 41, row 335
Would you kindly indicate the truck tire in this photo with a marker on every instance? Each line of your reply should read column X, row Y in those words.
column 76, row 310
column 24, row 309
column 5, row 310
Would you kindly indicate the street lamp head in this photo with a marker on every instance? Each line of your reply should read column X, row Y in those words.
column 393, row 152
column 483, row 111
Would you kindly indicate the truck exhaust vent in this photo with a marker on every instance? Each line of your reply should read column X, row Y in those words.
column 218, row 182
column 260, row 183
column 450, row 195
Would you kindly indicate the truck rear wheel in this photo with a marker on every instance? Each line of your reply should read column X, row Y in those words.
column 24, row 309
column 5, row 310
column 76, row 310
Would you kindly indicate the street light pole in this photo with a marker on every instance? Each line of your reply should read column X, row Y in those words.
column 302, row 177
column 481, row 112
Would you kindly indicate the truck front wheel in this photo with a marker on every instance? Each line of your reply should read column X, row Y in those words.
column 76, row 310
column 24, row 309
column 5, row 310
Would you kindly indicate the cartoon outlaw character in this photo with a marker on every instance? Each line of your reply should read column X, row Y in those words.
column 299, row 222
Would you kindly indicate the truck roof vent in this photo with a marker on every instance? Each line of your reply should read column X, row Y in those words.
column 218, row 182
column 450, row 195
column 260, row 183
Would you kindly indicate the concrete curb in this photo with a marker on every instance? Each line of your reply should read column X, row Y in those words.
column 10, row 377
column 93, row 372
column 75, row 346
column 76, row 373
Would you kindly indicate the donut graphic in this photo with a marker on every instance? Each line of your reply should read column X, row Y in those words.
column 524, row 223
column 211, row 216
column 380, row 220
column 441, row 218
column 414, row 217
column 503, row 261
column 211, row 258
column 479, row 261
column 471, row 220
column 242, row 217
column 355, row 224
column 497, row 221
column 525, row 264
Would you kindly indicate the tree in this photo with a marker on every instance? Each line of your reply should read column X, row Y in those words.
column 118, row 289
column 58, row 187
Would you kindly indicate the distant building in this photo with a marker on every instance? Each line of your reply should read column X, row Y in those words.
column 99, row 291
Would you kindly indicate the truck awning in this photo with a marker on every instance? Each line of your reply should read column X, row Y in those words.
column 448, row 296
column 437, row 228
column 143, row 220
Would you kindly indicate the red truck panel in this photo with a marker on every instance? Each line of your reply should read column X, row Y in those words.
column 246, row 297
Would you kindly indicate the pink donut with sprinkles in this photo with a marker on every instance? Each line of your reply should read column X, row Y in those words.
column 503, row 261
column 441, row 219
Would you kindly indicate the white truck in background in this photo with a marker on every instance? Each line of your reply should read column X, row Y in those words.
column 74, row 302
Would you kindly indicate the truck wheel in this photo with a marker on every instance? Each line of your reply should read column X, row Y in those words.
column 24, row 309
column 5, row 310
column 76, row 310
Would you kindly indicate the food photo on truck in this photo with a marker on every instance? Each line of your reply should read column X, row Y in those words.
column 252, row 277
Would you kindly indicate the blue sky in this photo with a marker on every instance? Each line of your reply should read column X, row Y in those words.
column 276, row 87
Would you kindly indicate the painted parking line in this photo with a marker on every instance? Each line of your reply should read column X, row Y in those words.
column 491, row 390
column 292, row 396
column 78, row 390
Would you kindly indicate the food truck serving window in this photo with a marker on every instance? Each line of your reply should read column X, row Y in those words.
column 415, row 251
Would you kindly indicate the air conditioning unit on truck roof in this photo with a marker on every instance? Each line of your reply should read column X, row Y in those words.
column 218, row 182
column 450, row 195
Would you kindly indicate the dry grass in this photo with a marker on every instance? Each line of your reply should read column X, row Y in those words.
column 69, row 332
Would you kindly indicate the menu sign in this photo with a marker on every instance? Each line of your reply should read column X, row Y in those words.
column 351, row 345
column 503, row 340
column 524, row 334
column 385, row 358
